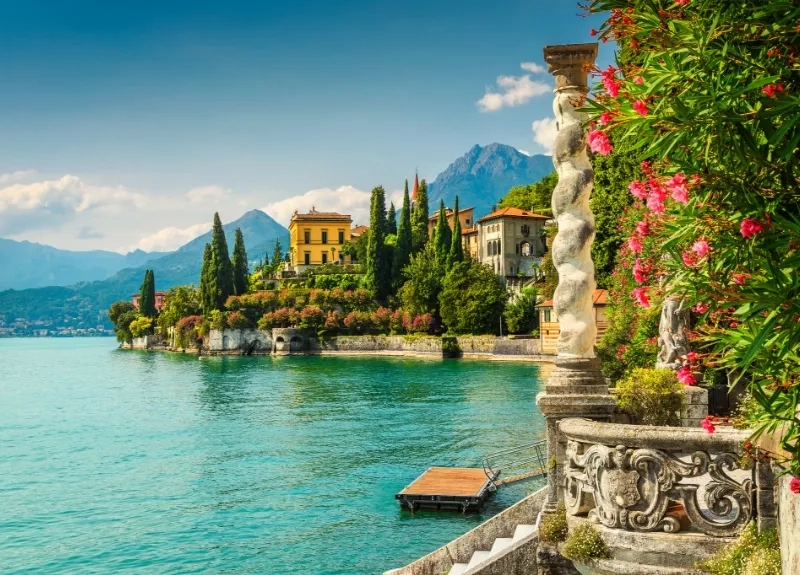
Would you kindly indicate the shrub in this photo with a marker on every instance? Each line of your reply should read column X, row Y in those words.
column 422, row 323
column 312, row 317
column 217, row 320
column 141, row 326
column 472, row 299
column 521, row 315
column 358, row 322
column 553, row 528
column 186, row 331
column 382, row 319
column 584, row 544
column 753, row 553
column 238, row 320
column 333, row 321
column 651, row 396
column 283, row 317
column 397, row 321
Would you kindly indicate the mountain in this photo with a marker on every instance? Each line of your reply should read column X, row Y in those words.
column 84, row 304
column 28, row 265
column 482, row 176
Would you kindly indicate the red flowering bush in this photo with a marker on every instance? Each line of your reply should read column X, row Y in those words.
column 358, row 322
column 283, row 317
column 187, row 330
column 422, row 323
column 238, row 320
column 720, row 84
column 312, row 317
column 382, row 319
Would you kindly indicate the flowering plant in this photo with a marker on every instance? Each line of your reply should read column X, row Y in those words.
column 710, row 94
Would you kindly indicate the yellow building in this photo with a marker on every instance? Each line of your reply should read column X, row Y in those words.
column 466, row 218
column 316, row 238
column 549, row 329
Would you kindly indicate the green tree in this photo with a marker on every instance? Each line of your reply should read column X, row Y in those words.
column 456, row 248
column 391, row 220
column 472, row 299
column 521, row 314
column 378, row 267
column 147, row 295
column 419, row 219
column 221, row 276
column 402, row 252
column 206, row 280
column 123, row 324
column 118, row 308
column 420, row 293
column 241, row 271
column 534, row 197
column 181, row 302
column 442, row 236
column 277, row 256
column 141, row 326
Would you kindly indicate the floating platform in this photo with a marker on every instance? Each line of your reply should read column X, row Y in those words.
column 457, row 488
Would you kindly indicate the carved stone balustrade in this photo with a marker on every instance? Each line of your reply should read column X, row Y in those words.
column 656, row 479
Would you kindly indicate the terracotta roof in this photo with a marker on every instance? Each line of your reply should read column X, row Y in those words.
column 468, row 231
column 359, row 230
column 600, row 297
column 449, row 212
column 513, row 213
column 322, row 216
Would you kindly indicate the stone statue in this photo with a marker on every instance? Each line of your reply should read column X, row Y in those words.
column 672, row 340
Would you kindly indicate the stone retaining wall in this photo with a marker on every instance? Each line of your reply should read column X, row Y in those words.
column 239, row 340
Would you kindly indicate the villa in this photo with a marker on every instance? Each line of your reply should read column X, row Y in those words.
column 160, row 299
column 548, row 321
column 316, row 238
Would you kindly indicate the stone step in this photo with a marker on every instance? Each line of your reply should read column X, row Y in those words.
column 477, row 558
column 499, row 544
column 522, row 531
column 458, row 568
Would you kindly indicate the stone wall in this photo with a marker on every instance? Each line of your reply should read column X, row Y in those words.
column 255, row 341
column 144, row 342
column 789, row 526
column 470, row 346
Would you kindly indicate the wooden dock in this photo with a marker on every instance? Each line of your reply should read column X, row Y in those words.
column 457, row 488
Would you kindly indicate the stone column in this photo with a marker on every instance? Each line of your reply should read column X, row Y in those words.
column 576, row 387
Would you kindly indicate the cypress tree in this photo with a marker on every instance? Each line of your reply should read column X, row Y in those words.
column 419, row 219
column 241, row 271
column 207, row 297
column 221, row 266
column 391, row 220
column 442, row 236
column 402, row 251
column 456, row 249
column 378, row 277
column 147, row 295
column 277, row 256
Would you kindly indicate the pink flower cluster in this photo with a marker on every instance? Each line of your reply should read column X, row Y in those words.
column 682, row 2
column 794, row 485
column 641, row 271
column 677, row 186
column 772, row 90
column 605, row 118
column 739, row 279
column 698, row 251
column 599, row 142
column 635, row 241
column 685, row 375
column 655, row 193
column 641, row 107
column 708, row 424
column 751, row 227
column 700, row 307
column 610, row 81
column 640, row 295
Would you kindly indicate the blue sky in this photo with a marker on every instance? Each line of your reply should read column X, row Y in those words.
column 109, row 109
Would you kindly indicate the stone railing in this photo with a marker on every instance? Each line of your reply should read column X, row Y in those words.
column 656, row 479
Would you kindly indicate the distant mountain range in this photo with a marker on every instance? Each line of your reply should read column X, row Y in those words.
column 83, row 303
column 28, row 265
column 483, row 176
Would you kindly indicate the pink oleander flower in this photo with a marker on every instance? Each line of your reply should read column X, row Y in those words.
column 599, row 142
column 685, row 375
column 739, row 279
column 639, row 80
column 677, row 185
column 772, row 90
column 733, row 325
column 751, row 227
column 621, row 351
column 605, row 118
column 647, row 167
column 638, row 189
column 682, row 2
column 656, row 196
column 691, row 357
column 592, row 32
column 641, row 107
column 635, row 244
column 610, row 81
column 700, row 307
column 701, row 248
column 794, row 486
column 643, row 228
column 689, row 259
column 708, row 425
column 640, row 295
column 639, row 271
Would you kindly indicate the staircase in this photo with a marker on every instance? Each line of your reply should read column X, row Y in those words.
column 499, row 545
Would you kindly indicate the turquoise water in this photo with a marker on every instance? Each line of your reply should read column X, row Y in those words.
column 132, row 462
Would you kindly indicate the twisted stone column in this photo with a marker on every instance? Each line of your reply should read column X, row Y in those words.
column 576, row 387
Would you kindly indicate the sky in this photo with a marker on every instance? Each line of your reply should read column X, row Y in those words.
column 126, row 125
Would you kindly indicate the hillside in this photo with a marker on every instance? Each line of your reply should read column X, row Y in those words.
column 29, row 265
column 84, row 304
column 483, row 176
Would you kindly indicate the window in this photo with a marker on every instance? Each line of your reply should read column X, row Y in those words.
column 307, row 258
column 324, row 256
column 526, row 249
column 467, row 220
column 499, row 249
column 516, row 249
column 526, row 230
column 547, row 315
column 307, row 237
column 324, row 236
column 341, row 237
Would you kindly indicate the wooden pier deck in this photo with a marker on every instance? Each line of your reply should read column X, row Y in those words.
column 458, row 488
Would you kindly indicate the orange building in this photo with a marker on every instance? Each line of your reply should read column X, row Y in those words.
column 161, row 297
column 548, row 321
column 465, row 216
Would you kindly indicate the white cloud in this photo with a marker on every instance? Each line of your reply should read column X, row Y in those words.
column 17, row 176
column 344, row 200
column 544, row 133
column 51, row 203
column 533, row 67
column 514, row 91
column 211, row 194
column 171, row 238
column 526, row 152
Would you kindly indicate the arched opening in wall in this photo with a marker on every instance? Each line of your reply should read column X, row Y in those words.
column 525, row 249
column 296, row 343
column 226, row 341
column 280, row 343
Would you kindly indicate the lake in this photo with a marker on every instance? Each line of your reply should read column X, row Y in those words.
column 118, row 461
